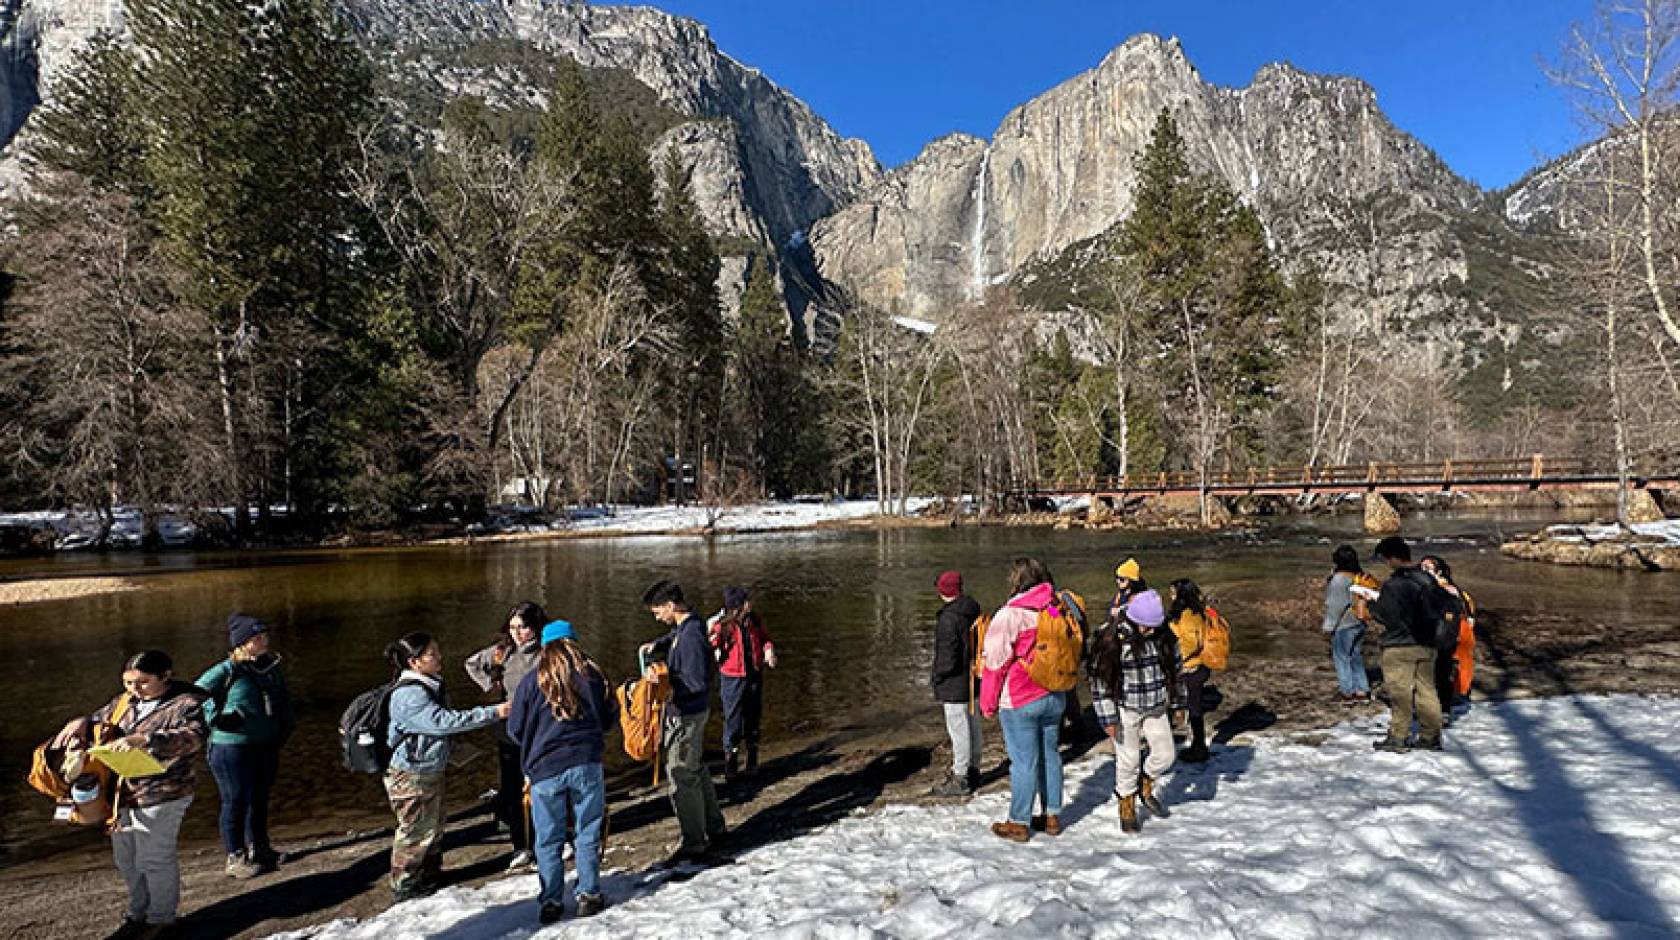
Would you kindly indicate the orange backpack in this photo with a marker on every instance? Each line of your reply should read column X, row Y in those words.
column 641, row 714
column 1216, row 641
column 1059, row 645
column 1362, row 604
column 47, row 778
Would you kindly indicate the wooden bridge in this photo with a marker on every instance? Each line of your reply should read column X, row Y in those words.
column 1446, row 476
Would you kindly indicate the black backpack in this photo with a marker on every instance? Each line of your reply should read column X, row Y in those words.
column 365, row 728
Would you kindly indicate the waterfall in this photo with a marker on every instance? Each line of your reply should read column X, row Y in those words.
column 977, row 238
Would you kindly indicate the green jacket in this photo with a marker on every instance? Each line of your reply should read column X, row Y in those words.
column 249, row 702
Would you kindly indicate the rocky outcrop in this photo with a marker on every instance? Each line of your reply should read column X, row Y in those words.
column 1334, row 181
column 1380, row 515
column 1625, row 552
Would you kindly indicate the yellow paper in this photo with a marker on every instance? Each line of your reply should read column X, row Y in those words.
column 134, row 763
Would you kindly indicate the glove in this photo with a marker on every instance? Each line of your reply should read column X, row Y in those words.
column 228, row 721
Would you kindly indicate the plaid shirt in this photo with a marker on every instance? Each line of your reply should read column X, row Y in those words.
column 1145, row 664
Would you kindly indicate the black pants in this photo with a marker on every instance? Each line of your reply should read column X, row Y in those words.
column 245, row 776
column 743, row 710
column 510, row 795
column 1194, row 680
column 1446, row 679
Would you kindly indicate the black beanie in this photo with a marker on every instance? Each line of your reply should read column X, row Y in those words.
column 241, row 628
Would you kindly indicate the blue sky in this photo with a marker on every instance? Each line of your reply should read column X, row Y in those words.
column 1461, row 75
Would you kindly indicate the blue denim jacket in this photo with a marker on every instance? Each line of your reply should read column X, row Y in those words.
column 422, row 721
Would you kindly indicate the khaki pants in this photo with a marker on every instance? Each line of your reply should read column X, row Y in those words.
column 1409, row 674
column 692, row 795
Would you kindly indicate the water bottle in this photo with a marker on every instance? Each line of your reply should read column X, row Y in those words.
column 85, row 789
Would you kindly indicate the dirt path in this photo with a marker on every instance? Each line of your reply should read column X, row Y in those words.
column 336, row 876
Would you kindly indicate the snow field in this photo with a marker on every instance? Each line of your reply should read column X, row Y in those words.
column 1543, row 818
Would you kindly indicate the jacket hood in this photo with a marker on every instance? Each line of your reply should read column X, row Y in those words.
column 1036, row 597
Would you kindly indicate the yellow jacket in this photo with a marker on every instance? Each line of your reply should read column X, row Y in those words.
column 1188, row 628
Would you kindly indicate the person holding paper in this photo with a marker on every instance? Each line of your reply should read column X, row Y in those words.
column 164, row 718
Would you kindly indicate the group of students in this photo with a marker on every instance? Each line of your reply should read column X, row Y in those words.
column 553, row 705
column 1148, row 658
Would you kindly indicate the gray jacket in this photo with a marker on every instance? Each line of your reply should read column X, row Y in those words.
column 1338, row 603
column 422, row 721
column 485, row 671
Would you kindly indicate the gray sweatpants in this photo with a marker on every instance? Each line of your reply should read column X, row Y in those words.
column 144, row 845
column 964, row 728
column 690, row 780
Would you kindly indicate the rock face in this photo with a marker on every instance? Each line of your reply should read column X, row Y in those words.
column 763, row 166
column 1380, row 515
column 1334, row 181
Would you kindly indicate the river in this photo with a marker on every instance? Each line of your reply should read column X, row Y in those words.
column 850, row 611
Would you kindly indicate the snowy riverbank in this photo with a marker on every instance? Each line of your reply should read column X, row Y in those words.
column 1643, row 546
column 1542, row 818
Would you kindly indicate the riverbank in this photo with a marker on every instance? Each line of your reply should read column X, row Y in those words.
column 1650, row 546
column 813, row 779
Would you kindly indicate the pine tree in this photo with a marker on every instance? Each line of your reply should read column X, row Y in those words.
column 88, row 125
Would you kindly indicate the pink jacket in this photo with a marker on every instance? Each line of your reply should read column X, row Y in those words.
column 1004, row 682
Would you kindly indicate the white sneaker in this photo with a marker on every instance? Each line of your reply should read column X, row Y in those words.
column 522, row 860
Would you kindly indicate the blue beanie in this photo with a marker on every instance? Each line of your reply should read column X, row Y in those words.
column 557, row 630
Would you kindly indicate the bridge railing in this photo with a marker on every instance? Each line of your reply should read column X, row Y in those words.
column 1421, row 473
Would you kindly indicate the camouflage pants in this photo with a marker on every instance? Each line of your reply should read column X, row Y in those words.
column 417, row 849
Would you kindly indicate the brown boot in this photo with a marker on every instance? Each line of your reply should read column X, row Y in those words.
column 1146, row 793
column 1128, row 812
column 1013, row 831
column 1049, row 825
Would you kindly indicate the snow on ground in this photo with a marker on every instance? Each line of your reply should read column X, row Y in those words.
column 756, row 517
column 1543, row 818
column 1665, row 532
column 76, row 530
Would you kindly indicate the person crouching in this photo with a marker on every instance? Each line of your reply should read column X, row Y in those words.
column 560, row 714
column 1132, row 659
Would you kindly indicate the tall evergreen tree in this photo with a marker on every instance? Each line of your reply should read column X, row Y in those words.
column 88, row 126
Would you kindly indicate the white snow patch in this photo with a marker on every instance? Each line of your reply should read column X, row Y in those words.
column 757, row 517
column 1666, row 532
column 1543, row 818
column 924, row 327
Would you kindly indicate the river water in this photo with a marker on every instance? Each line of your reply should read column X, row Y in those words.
column 850, row 612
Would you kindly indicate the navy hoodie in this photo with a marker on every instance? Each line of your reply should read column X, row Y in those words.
column 688, row 654
column 548, row 746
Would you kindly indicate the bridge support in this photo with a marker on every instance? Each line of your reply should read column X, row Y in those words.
column 1642, row 506
column 1380, row 515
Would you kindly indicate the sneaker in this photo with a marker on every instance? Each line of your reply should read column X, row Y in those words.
column 130, row 929
column 266, row 859
column 588, row 905
column 952, row 785
column 551, row 913
column 241, row 868
column 1391, row 746
column 521, row 860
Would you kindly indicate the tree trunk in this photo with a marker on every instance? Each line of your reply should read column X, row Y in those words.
column 230, row 432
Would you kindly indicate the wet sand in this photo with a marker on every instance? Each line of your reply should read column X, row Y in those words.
column 37, row 590
column 334, row 874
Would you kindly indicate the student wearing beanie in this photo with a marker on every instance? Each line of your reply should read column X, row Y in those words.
column 743, row 649
column 250, row 716
column 953, row 683
column 1133, row 661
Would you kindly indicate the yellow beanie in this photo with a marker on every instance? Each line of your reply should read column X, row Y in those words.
column 1128, row 569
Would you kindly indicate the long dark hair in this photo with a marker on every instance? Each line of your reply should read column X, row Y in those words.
column 529, row 613
column 1344, row 558
column 1027, row 573
column 406, row 647
column 1186, row 596
column 1442, row 569
column 563, row 662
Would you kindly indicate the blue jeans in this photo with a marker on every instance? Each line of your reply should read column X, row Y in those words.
column 245, row 776
column 584, row 789
column 1350, row 664
column 743, row 710
column 1031, row 735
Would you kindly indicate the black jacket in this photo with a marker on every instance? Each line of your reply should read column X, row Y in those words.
column 953, row 650
column 1409, row 609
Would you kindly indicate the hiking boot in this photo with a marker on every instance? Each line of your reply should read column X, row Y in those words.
column 1013, row 831
column 1390, row 746
column 1128, row 813
column 1194, row 755
column 266, row 859
column 972, row 778
column 551, row 913
column 952, row 785
column 1050, row 825
column 588, row 905
column 1146, row 793
column 521, row 860
column 1433, row 744
column 241, row 868
column 130, row 929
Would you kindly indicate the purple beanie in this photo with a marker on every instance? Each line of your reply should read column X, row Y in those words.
column 1145, row 610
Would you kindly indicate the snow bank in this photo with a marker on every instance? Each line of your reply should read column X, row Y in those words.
column 1542, row 818
column 77, row 530
column 1666, row 532
column 756, row 517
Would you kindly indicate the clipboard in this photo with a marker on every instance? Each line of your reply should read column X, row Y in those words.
column 127, row 764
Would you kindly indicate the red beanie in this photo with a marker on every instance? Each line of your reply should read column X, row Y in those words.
column 949, row 584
